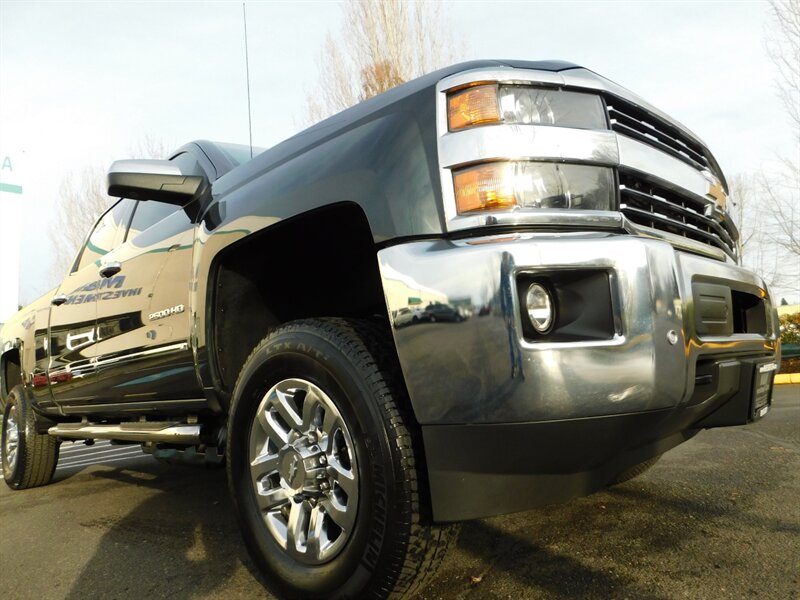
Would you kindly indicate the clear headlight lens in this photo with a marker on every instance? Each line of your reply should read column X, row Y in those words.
column 526, row 184
column 538, row 106
column 517, row 104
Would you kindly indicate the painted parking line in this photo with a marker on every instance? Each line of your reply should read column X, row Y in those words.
column 82, row 450
column 77, row 446
column 103, row 462
column 99, row 456
column 103, row 452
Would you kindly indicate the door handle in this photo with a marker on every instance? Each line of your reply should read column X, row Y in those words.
column 79, row 340
column 110, row 269
column 58, row 300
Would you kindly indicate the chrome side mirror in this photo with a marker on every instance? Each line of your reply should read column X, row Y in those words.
column 152, row 180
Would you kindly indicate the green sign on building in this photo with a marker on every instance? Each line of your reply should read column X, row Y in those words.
column 5, row 168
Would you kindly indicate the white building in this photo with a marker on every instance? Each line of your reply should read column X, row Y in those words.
column 11, row 207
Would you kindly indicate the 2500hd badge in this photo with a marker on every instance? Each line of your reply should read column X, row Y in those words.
column 167, row 312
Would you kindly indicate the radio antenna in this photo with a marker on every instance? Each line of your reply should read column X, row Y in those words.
column 247, row 71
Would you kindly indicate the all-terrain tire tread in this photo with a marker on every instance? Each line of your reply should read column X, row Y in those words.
column 39, row 452
column 422, row 546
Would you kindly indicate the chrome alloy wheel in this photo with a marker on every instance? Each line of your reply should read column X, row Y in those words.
column 304, row 471
column 11, row 438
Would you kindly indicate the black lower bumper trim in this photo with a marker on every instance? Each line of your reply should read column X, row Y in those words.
column 478, row 471
column 481, row 470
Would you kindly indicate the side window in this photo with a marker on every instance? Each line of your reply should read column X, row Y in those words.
column 150, row 212
column 107, row 234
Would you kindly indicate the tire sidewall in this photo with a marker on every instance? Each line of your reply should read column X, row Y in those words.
column 13, row 477
column 302, row 354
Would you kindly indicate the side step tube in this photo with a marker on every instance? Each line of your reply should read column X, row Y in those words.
column 171, row 433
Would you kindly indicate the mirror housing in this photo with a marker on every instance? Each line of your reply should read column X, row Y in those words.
column 152, row 180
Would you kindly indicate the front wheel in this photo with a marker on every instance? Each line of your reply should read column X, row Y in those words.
column 29, row 458
column 324, row 465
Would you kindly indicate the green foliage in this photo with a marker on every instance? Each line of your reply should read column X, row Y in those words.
column 790, row 329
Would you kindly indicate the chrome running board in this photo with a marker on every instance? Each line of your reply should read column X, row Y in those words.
column 166, row 432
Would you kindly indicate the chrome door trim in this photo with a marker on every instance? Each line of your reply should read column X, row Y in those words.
column 145, row 353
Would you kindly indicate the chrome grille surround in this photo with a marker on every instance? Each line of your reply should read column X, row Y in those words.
column 675, row 177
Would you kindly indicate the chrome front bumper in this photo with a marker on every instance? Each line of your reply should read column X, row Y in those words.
column 481, row 370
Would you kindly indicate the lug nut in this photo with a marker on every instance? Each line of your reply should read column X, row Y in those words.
column 324, row 485
column 312, row 438
column 323, row 459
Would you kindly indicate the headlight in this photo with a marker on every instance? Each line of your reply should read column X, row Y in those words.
column 525, row 184
column 528, row 105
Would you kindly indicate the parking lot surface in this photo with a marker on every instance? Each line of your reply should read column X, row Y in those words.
column 718, row 517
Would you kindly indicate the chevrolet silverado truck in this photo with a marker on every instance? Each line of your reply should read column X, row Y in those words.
column 241, row 307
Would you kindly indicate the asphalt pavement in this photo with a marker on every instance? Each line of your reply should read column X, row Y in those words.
column 716, row 518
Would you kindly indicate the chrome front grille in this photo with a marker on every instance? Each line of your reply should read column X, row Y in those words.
column 635, row 122
column 649, row 205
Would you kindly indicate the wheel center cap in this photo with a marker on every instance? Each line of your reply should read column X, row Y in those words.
column 293, row 470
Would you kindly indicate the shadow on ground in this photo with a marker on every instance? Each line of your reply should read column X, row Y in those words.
column 180, row 543
column 717, row 518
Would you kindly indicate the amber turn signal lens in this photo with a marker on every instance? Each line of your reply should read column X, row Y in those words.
column 472, row 106
column 486, row 187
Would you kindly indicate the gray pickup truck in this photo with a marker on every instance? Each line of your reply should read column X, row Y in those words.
column 501, row 285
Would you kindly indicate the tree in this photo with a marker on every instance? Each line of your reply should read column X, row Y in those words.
column 758, row 251
column 745, row 214
column 81, row 199
column 782, row 189
column 784, row 50
column 767, row 203
column 382, row 44
column 781, row 192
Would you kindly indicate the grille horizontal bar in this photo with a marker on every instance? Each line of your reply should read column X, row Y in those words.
column 656, row 207
column 630, row 120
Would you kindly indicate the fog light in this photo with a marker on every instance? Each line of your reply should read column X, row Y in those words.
column 540, row 308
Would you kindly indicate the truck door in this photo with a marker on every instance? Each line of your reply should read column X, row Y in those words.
column 72, row 369
column 144, row 352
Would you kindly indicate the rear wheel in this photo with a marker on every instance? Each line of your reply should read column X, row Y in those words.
column 29, row 458
column 323, row 469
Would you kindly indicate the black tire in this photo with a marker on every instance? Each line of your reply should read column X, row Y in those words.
column 34, row 461
column 635, row 470
column 392, row 549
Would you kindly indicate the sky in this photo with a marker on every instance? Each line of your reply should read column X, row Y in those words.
column 83, row 84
